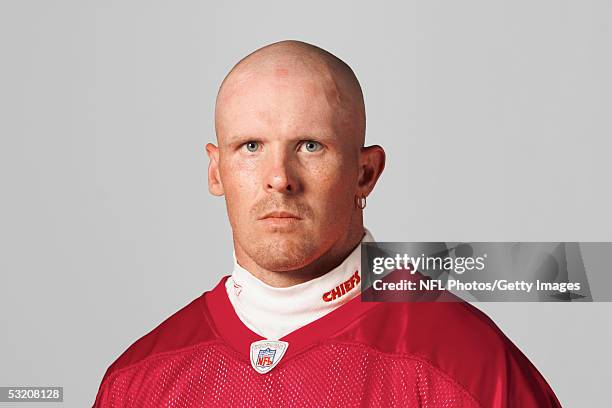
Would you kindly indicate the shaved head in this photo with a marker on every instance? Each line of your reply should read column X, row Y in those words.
column 289, row 59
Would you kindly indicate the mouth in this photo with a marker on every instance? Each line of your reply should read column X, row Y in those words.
column 280, row 215
column 280, row 221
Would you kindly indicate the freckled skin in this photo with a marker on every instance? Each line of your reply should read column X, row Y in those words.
column 289, row 140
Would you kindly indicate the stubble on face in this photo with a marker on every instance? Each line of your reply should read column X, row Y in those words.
column 280, row 250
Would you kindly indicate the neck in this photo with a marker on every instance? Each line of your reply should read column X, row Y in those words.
column 325, row 263
column 273, row 312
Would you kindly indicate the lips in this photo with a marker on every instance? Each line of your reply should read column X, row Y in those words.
column 280, row 215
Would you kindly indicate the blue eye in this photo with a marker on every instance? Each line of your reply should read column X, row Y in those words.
column 252, row 146
column 312, row 146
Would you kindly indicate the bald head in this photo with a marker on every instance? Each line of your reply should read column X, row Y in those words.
column 309, row 72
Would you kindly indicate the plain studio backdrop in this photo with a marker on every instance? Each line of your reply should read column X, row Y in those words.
column 495, row 117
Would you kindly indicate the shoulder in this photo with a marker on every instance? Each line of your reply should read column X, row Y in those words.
column 460, row 342
column 188, row 327
column 438, row 332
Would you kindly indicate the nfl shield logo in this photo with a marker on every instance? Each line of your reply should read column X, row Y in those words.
column 265, row 357
column 265, row 354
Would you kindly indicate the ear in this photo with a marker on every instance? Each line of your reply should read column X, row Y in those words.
column 371, row 166
column 215, row 186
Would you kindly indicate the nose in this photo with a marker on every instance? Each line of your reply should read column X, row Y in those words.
column 281, row 175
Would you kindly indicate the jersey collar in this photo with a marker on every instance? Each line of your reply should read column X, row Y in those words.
column 230, row 329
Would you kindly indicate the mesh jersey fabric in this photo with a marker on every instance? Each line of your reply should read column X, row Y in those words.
column 363, row 354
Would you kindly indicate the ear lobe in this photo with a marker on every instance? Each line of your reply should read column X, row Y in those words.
column 372, row 165
column 215, row 185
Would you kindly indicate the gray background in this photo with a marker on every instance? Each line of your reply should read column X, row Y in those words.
column 495, row 117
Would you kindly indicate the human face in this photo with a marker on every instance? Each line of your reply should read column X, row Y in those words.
column 288, row 166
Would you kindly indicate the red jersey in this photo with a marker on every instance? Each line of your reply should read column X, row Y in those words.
column 361, row 354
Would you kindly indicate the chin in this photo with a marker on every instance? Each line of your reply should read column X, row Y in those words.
column 283, row 253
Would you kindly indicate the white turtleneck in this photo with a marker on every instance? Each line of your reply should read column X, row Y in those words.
column 275, row 312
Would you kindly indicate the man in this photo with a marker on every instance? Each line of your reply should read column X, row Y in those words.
column 288, row 328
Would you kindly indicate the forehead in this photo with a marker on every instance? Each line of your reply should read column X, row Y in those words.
column 280, row 102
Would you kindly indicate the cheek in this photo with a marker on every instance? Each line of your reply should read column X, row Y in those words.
column 239, row 173
column 240, row 186
column 333, row 187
